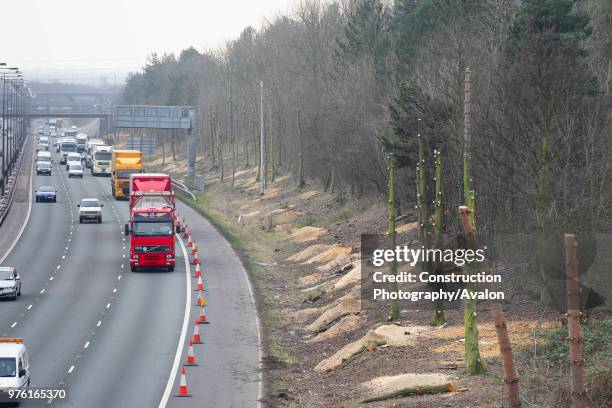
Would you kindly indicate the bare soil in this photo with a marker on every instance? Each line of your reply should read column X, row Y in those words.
column 294, row 293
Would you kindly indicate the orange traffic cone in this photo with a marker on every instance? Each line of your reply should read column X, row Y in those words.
column 198, row 272
column 186, row 232
column 183, row 390
column 189, row 241
column 202, row 317
column 191, row 360
column 196, row 339
column 195, row 248
column 199, row 285
column 196, row 259
column 200, row 301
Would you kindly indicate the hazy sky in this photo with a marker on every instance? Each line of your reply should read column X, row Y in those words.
column 87, row 37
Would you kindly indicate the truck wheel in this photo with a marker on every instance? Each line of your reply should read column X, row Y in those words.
column 171, row 269
column 100, row 220
column 80, row 220
column 134, row 268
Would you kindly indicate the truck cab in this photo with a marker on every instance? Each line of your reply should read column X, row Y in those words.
column 101, row 157
column 66, row 146
column 81, row 140
column 124, row 163
column 14, row 365
column 152, row 221
column 151, row 232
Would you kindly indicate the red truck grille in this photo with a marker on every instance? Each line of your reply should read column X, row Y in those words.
column 153, row 258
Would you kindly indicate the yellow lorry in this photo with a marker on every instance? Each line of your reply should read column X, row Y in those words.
column 124, row 163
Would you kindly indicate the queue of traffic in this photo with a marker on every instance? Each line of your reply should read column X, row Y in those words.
column 152, row 225
column 152, row 222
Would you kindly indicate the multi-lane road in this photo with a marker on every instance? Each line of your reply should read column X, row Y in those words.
column 115, row 338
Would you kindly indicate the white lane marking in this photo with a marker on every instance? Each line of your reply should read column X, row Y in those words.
column 71, row 369
column 99, row 323
column 51, row 278
column 119, row 277
column 115, row 290
column 42, row 291
column 67, row 248
column 179, row 348
column 58, row 266
column 29, row 307
column 108, row 305
column 86, row 345
column 25, row 222
column 63, row 256
column 13, row 325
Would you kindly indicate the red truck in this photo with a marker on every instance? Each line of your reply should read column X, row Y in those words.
column 152, row 221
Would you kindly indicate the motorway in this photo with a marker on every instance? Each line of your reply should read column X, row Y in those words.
column 115, row 338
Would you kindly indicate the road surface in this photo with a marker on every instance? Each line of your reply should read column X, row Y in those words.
column 110, row 336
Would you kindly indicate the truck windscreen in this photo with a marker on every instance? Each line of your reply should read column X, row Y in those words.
column 8, row 367
column 152, row 229
column 69, row 147
column 124, row 174
column 103, row 155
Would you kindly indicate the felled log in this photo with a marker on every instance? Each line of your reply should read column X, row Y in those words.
column 406, row 392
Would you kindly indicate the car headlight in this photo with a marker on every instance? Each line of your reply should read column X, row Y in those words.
column 168, row 256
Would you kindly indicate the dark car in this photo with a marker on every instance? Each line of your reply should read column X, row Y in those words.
column 43, row 168
column 10, row 282
column 46, row 193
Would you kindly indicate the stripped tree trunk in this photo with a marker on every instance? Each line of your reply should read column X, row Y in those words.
column 270, row 144
column 394, row 309
column 421, row 204
column 301, row 180
column 439, row 304
column 211, row 126
column 472, row 350
column 219, row 150
column 578, row 389
column 501, row 329
column 230, row 132
column 257, row 143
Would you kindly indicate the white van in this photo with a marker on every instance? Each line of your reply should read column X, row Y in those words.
column 72, row 158
column 14, row 365
column 43, row 156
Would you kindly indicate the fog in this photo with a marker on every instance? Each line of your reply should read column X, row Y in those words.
column 84, row 39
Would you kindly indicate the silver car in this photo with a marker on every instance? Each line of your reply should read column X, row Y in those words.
column 10, row 282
